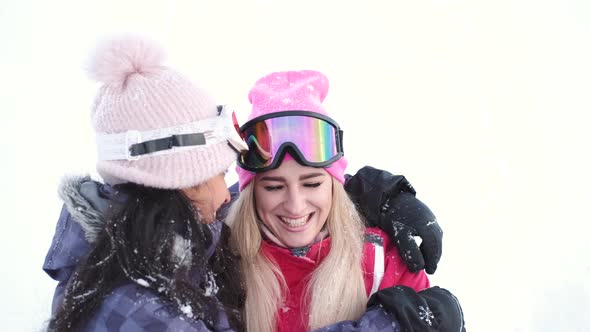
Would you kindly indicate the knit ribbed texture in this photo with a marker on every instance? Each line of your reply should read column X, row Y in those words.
column 139, row 93
column 302, row 90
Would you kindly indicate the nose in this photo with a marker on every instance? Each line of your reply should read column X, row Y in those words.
column 227, row 197
column 223, row 208
column 295, row 202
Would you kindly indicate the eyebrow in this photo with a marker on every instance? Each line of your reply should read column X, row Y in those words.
column 282, row 179
column 311, row 175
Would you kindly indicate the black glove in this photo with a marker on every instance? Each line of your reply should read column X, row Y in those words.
column 388, row 201
column 404, row 217
column 433, row 309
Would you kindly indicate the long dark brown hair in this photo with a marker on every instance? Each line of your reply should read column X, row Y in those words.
column 156, row 239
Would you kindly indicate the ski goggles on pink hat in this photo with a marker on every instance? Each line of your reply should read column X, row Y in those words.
column 311, row 138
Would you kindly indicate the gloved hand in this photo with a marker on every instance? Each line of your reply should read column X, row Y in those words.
column 404, row 217
column 430, row 310
column 388, row 201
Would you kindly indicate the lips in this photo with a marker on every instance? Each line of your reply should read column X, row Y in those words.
column 296, row 222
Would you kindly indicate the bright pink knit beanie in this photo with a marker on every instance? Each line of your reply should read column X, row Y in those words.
column 303, row 90
column 140, row 93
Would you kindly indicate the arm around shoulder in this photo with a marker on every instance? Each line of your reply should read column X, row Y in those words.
column 389, row 202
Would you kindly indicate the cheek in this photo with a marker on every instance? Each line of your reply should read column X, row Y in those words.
column 221, row 191
column 324, row 196
column 265, row 202
column 221, row 195
column 326, row 203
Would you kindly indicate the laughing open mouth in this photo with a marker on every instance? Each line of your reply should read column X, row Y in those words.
column 296, row 222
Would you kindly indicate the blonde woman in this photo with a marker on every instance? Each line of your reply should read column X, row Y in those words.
column 307, row 259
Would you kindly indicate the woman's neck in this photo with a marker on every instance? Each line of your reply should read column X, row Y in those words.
column 297, row 251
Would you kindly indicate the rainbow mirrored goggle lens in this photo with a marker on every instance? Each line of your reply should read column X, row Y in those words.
column 311, row 138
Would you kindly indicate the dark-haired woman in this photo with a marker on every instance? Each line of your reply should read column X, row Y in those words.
column 158, row 261
column 152, row 266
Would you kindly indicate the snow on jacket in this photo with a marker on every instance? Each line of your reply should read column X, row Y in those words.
column 132, row 307
column 129, row 307
column 297, row 268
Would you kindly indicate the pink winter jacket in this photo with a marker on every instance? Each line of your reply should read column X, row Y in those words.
column 297, row 270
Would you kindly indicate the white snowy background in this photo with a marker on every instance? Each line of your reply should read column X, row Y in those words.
column 483, row 105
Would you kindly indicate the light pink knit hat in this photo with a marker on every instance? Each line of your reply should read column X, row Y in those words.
column 303, row 90
column 139, row 93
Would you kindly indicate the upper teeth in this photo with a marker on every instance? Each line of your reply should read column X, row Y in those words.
column 294, row 222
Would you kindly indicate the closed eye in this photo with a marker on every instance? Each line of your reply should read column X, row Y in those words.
column 312, row 185
column 272, row 188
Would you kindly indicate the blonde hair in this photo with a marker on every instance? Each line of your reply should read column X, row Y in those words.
column 336, row 290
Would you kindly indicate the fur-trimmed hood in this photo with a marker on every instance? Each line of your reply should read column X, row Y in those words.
column 78, row 226
column 82, row 220
column 74, row 192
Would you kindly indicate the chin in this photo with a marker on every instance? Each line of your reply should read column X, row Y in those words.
column 296, row 243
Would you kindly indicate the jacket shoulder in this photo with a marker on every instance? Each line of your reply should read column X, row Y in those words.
column 78, row 224
column 377, row 236
column 83, row 212
column 134, row 308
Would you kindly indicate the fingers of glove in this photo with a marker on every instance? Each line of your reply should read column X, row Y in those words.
column 405, row 208
column 396, row 302
column 431, row 246
column 445, row 308
column 433, row 309
column 403, row 237
column 391, row 297
column 429, row 230
column 410, row 309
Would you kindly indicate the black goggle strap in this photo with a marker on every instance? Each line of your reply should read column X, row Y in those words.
column 340, row 140
column 133, row 144
column 167, row 143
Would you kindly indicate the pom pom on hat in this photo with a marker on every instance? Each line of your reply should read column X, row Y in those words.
column 139, row 93
column 114, row 60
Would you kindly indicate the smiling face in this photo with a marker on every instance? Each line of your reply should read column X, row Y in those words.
column 294, row 201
